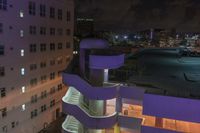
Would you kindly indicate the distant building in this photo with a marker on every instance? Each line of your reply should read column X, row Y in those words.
column 84, row 26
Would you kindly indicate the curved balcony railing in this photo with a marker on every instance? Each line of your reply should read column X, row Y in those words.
column 73, row 106
column 93, row 93
column 106, row 62
column 72, row 125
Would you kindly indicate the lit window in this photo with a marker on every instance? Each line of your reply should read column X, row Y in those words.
column 21, row 33
column 22, row 71
column 23, row 89
column 22, row 52
column 23, row 107
column 21, row 14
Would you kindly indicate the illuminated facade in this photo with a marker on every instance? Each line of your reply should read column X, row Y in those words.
column 36, row 40
column 99, row 105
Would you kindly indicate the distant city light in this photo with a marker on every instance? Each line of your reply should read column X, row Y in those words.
column 23, row 89
column 22, row 71
column 23, row 107
column 125, row 37
column 21, row 14
column 116, row 37
column 22, row 52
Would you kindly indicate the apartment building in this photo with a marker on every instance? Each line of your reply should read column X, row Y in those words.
column 36, row 41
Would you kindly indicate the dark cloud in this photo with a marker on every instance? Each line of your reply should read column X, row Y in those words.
column 142, row 14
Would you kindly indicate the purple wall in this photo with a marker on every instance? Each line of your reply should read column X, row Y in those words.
column 146, row 129
column 172, row 107
column 106, row 62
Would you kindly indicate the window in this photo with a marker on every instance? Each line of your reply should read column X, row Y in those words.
column 33, row 113
column 43, row 108
column 23, row 107
column 59, row 87
column 60, row 32
column 68, row 45
column 33, row 48
column 33, row 67
column 43, row 64
column 68, row 32
column 32, row 30
column 21, row 13
column 22, row 71
column 42, row 31
column 52, row 76
column 33, row 82
column 13, row 124
column 1, row 28
column 32, row 8
column 22, row 52
column 52, row 62
column 23, row 89
column 59, row 14
column 60, row 46
column 3, row 4
column 43, row 78
column 3, row 92
column 1, row 50
column 42, row 10
column 52, row 12
column 3, row 112
column 52, row 90
column 52, row 47
column 42, row 47
column 68, row 16
column 52, row 103
column 43, row 94
column 34, row 99
column 21, row 33
column 2, row 71
column 52, row 31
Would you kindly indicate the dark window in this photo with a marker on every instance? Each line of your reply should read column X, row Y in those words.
column 52, row 103
column 60, row 45
column 34, row 113
column 43, row 94
column 1, row 28
column 33, row 48
column 33, row 67
column 68, row 16
column 52, row 47
column 32, row 8
column 59, row 87
column 52, row 76
column 43, row 108
column 42, row 30
column 52, row 12
column 60, row 14
column 43, row 47
column 1, row 50
column 52, row 31
column 3, row 112
column 2, row 92
column 42, row 10
column 33, row 82
column 43, row 79
column 2, row 71
column 43, row 64
column 34, row 99
column 13, row 124
column 3, row 4
column 60, row 61
column 32, row 30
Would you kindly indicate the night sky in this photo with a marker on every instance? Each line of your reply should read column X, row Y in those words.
column 184, row 15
